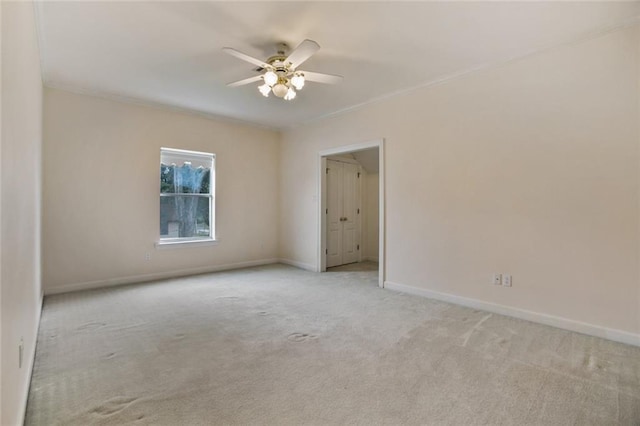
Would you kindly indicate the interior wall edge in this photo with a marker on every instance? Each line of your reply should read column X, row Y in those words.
column 31, row 359
column 615, row 335
column 135, row 279
column 21, row 146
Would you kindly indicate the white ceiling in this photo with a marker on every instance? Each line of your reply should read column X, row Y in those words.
column 170, row 52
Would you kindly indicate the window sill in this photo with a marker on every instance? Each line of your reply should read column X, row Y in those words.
column 185, row 244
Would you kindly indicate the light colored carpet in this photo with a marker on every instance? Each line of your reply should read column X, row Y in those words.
column 277, row 345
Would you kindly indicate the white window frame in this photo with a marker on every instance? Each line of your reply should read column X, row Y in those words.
column 186, row 155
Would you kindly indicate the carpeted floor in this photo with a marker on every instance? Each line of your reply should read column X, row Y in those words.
column 277, row 345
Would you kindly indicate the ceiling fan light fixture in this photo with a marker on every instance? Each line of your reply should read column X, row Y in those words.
column 270, row 78
column 298, row 81
column 265, row 90
column 280, row 73
column 280, row 90
column 291, row 94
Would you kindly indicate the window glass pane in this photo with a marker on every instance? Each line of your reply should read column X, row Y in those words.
column 184, row 179
column 184, row 216
column 187, row 188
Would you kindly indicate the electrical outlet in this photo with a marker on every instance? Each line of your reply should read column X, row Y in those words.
column 497, row 279
column 506, row 280
column 20, row 352
column 147, row 256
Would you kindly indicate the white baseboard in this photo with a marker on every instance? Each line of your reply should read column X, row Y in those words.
column 32, row 361
column 155, row 276
column 370, row 259
column 554, row 321
column 301, row 265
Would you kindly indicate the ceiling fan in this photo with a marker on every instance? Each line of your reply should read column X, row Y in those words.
column 280, row 73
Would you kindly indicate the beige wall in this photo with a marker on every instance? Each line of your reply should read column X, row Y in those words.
column 530, row 168
column 371, row 216
column 20, row 211
column 100, row 200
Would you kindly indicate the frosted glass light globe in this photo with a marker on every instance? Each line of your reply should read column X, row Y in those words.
column 270, row 78
column 280, row 90
column 298, row 81
column 291, row 94
column 264, row 89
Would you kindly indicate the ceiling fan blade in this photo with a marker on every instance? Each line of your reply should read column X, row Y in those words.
column 245, row 81
column 244, row 57
column 319, row 77
column 303, row 52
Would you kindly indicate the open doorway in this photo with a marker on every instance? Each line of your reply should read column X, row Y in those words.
column 351, row 193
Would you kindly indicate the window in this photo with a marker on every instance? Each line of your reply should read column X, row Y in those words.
column 187, row 188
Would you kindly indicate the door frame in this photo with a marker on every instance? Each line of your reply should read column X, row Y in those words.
column 321, row 265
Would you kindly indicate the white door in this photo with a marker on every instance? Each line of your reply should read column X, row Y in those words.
column 334, row 213
column 343, row 213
